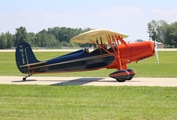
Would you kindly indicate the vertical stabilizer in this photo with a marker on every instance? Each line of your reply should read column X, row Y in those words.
column 24, row 56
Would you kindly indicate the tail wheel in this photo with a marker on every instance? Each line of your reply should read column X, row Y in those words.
column 24, row 78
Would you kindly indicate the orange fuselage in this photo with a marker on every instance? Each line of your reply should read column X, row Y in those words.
column 132, row 53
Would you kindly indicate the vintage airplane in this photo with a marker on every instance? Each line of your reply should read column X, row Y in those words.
column 111, row 52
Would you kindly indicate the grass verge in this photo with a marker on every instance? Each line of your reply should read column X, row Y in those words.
column 87, row 102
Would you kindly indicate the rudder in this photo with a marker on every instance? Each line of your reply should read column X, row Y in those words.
column 24, row 56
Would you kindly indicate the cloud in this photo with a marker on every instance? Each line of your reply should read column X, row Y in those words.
column 49, row 15
column 125, row 12
column 169, row 15
column 161, row 12
column 128, row 10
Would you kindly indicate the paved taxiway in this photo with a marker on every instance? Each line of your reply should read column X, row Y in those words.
column 96, row 81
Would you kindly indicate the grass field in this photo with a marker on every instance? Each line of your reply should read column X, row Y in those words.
column 144, row 68
column 35, row 102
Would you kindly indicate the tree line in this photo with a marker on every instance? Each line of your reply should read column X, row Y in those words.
column 163, row 32
column 56, row 37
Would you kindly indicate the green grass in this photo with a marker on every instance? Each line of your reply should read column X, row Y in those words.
column 87, row 103
column 150, row 68
column 144, row 68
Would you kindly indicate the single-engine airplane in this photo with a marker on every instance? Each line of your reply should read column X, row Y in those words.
column 110, row 52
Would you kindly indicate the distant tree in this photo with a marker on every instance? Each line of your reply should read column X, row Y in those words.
column 171, row 35
column 10, row 40
column 3, row 41
column 139, row 40
column 163, row 32
column 52, row 37
column 44, row 39
column 75, row 45
column 64, row 44
column 64, row 34
column 152, row 29
column 32, row 39
column 21, row 35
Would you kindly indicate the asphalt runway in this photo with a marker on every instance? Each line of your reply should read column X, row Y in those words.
column 82, row 81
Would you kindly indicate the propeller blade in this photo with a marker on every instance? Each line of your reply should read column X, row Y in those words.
column 156, row 51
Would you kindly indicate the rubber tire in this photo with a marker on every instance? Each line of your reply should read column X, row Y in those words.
column 24, row 79
column 121, row 79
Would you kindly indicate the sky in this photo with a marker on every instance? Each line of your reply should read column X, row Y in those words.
column 129, row 16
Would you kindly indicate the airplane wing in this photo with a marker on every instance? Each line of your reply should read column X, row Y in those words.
column 95, row 34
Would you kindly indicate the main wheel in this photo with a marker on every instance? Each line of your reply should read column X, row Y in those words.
column 132, row 73
column 121, row 79
column 129, row 78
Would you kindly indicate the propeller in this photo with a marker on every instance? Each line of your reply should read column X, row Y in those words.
column 156, row 51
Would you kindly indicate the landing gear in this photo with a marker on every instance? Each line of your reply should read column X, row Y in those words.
column 123, row 75
column 130, row 78
column 121, row 79
column 24, row 78
column 132, row 74
column 120, row 75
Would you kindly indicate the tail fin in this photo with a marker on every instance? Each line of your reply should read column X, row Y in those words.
column 24, row 56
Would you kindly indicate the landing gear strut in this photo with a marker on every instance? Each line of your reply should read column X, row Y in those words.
column 24, row 78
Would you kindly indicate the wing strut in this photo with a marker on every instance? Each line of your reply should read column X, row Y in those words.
column 103, row 48
column 113, row 42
